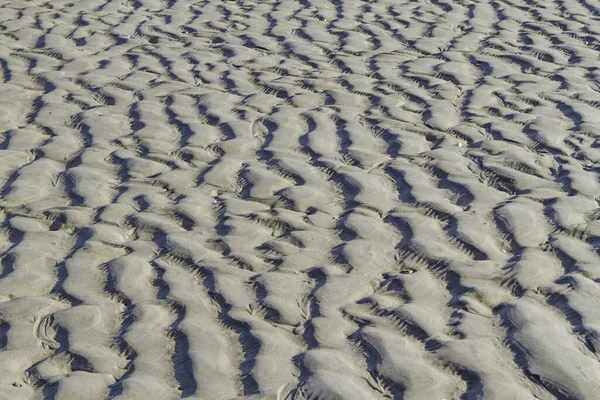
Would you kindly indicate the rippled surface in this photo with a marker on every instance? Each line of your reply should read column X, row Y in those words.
column 299, row 199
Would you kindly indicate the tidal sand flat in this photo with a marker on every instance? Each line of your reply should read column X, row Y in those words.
column 299, row 199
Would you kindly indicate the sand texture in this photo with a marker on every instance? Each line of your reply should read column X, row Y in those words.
column 299, row 199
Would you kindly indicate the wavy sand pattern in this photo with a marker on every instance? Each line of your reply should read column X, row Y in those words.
column 299, row 199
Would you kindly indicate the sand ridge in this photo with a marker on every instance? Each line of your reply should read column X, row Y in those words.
column 299, row 200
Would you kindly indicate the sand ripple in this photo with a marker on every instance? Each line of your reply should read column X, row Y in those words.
column 299, row 199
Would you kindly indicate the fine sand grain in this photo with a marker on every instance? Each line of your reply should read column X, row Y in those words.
column 298, row 199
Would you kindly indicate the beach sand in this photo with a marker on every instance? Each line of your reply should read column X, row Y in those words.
column 289, row 199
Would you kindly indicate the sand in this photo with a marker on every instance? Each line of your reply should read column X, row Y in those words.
column 299, row 200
